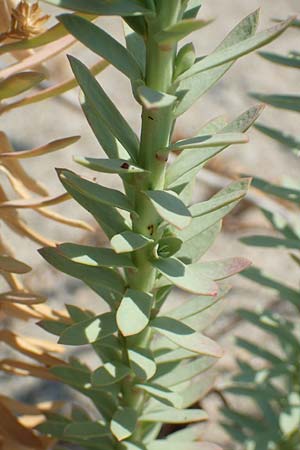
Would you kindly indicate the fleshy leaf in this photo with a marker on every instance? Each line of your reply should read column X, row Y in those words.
column 220, row 57
column 128, row 241
column 186, row 337
column 111, row 117
column 85, row 430
column 142, row 362
column 133, row 314
column 102, row 7
column 162, row 394
column 178, row 31
column 173, row 415
column 123, row 423
column 188, row 278
column 170, row 208
column 109, row 373
column 94, row 191
column 90, row 330
column 120, row 166
column 94, row 256
column 103, row 44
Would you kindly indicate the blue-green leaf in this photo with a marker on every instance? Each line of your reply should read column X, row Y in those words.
column 93, row 276
column 170, row 208
column 94, row 256
column 162, row 394
column 188, row 278
column 128, row 241
column 109, row 373
column 90, row 330
column 94, row 191
column 133, row 314
column 102, row 44
column 111, row 117
column 192, row 88
column 173, row 415
column 120, row 166
column 123, row 423
column 142, row 362
column 222, row 56
column 288, row 102
column 103, row 7
column 85, row 430
column 178, row 31
column 186, row 337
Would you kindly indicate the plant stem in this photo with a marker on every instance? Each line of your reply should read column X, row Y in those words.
column 157, row 126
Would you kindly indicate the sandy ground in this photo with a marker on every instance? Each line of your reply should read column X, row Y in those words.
column 31, row 126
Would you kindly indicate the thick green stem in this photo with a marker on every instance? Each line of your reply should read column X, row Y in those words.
column 157, row 126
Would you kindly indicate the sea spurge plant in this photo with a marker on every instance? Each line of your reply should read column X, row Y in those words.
column 148, row 359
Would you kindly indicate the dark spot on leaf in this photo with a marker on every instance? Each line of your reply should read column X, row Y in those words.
column 151, row 118
column 125, row 165
column 151, row 229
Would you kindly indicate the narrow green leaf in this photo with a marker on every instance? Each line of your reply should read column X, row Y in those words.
column 222, row 199
column 78, row 314
column 123, row 423
column 94, row 191
column 286, row 292
column 283, row 138
column 168, row 246
column 224, row 268
column 109, row 219
column 293, row 195
column 111, row 146
column 128, row 241
column 192, row 9
column 71, row 376
column 257, row 350
column 186, row 337
column 162, row 394
column 195, row 247
column 53, row 427
column 132, row 446
column 18, row 83
column 173, row 415
column 196, row 305
column 90, row 330
column 94, row 256
column 109, row 373
column 142, row 362
column 53, row 326
column 192, row 88
column 237, row 50
column 93, row 276
column 188, row 163
column 103, row 7
column 152, row 99
column 188, row 278
column 85, row 430
column 133, row 314
column 120, row 166
column 178, row 31
column 103, row 44
column 284, row 60
column 288, row 102
column 185, row 58
column 269, row 241
column 186, row 434
column 136, row 45
column 170, row 208
column 111, row 117
column 217, row 140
